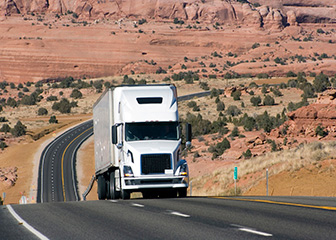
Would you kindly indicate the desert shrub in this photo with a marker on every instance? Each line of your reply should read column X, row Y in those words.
column 219, row 148
column 293, row 83
column 264, row 89
column 235, row 132
column 268, row 101
column 233, row 111
column 28, row 100
column 3, row 145
column 276, row 92
column 76, row 94
column 308, row 91
column 98, row 85
column 42, row 111
column 5, row 128
column 253, row 85
column 53, row 119
column 321, row 82
column 262, row 75
column 255, row 101
column 320, row 131
column 215, row 92
column 63, row 106
column 18, row 130
column 200, row 125
column 291, row 74
column 247, row 154
column 293, row 106
column 204, row 86
column 191, row 104
column 196, row 108
column 220, row 106
column 255, row 45
column 236, row 95
column 3, row 119
column 52, row 98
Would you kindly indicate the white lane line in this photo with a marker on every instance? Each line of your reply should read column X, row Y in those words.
column 114, row 201
column 25, row 224
column 255, row 232
column 179, row 214
column 137, row 205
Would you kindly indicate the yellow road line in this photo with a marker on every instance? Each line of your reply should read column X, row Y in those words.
column 280, row 203
column 63, row 160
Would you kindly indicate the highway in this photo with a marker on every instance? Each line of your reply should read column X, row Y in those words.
column 189, row 218
column 57, row 174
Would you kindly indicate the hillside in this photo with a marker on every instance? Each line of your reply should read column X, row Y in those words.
column 46, row 40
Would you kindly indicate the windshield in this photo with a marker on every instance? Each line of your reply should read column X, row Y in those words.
column 152, row 131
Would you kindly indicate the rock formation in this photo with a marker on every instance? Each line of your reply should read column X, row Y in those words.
column 304, row 121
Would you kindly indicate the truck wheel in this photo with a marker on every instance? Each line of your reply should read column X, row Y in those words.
column 101, row 187
column 112, row 189
column 182, row 193
column 125, row 194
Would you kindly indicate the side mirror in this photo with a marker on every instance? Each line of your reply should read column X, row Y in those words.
column 188, row 135
column 114, row 134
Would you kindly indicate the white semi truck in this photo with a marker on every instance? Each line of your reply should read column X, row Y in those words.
column 137, row 143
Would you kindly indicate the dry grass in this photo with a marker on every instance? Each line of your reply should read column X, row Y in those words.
column 251, row 171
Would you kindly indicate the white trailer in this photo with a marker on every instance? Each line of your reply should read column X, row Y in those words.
column 137, row 142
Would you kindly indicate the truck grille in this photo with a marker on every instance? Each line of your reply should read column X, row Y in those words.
column 155, row 163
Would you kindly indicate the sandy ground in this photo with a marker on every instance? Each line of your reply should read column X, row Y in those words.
column 314, row 180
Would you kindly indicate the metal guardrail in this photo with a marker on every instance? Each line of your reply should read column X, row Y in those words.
column 88, row 189
column 191, row 96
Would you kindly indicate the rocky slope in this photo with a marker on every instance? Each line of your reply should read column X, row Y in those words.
column 210, row 10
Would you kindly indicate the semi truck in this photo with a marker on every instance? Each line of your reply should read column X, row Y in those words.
column 137, row 143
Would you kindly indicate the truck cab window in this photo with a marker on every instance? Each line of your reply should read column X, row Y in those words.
column 152, row 131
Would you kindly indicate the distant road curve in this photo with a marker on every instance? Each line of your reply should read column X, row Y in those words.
column 57, row 172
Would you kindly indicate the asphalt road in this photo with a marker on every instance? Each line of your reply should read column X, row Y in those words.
column 189, row 218
column 57, row 175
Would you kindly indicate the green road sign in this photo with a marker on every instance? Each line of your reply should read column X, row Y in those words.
column 235, row 174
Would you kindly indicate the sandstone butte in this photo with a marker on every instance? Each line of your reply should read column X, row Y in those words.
column 43, row 39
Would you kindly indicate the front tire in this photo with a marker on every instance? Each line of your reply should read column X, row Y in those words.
column 112, row 187
column 182, row 193
column 101, row 187
column 125, row 195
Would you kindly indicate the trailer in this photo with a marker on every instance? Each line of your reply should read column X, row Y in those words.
column 137, row 143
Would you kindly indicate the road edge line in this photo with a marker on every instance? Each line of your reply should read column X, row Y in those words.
column 25, row 224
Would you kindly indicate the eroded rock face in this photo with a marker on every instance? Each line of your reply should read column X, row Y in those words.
column 304, row 121
column 8, row 176
column 211, row 11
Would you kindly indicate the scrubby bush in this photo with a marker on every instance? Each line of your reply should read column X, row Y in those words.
column 63, row 106
column 18, row 130
column 236, row 95
column 5, row 128
column 191, row 104
column 320, row 131
column 76, row 94
column 247, row 154
column 233, row 111
column 219, row 148
column 255, row 101
column 268, row 101
column 321, row 82
column 220, row 106
column 42, row 111
column 53, row 119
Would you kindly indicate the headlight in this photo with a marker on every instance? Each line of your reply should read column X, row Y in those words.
column 184, row 170
column 128, row 171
